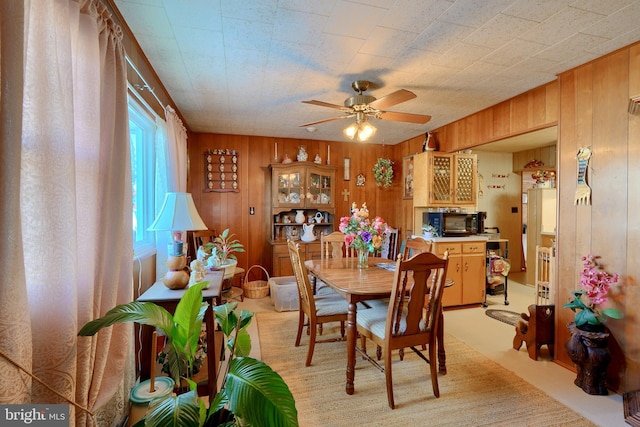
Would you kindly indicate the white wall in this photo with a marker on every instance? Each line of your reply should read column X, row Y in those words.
column 499, row 191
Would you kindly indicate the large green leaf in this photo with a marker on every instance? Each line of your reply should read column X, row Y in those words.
column 146, row 313
column 242, row 343
column 226, row 317
column 184, row 410
column 258, row 395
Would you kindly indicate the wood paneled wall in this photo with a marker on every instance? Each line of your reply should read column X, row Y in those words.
column 593, row 113
column 231, row 210
column 532, row 110
column 589, row 105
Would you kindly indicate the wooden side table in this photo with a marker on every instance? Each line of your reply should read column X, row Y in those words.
column 168, row 298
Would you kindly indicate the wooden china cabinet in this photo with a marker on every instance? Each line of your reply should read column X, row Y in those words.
column 300, row 188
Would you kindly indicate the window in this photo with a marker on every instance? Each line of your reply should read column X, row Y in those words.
column 142, row 136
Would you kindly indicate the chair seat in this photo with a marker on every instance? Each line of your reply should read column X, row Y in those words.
column 329, row 305
column 375, row 318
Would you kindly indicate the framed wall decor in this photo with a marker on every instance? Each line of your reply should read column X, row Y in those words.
column 347, row 169
column 407, row 177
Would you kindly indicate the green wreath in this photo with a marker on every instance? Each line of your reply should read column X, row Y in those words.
column 383, row 172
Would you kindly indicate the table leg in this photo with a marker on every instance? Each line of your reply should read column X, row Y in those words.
column 351, row 346
column 212, row 369
column 442, row 356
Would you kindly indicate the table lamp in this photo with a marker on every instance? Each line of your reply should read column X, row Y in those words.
column 178, row 215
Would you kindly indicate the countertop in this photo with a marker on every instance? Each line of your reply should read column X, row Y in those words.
column 473, row 238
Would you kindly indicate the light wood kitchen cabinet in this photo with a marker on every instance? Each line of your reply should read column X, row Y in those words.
column 445, row 179
column 467, row 262
column 306, row 188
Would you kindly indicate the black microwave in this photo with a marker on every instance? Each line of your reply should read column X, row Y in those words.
column 455, row 224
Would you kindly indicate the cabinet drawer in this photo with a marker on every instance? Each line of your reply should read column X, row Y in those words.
column 453, row 248
column 474, row 248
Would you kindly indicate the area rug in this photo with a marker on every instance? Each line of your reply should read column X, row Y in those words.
column 475, row 391
column 505, row 316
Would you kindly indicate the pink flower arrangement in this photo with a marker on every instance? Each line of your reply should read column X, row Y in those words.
column 360, row 232
column 596, row 284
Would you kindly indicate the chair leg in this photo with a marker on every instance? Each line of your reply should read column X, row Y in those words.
column 388, row 378
column 363, row 345
column 342, row 330
column 300, row 327
column 433, row 364
column 312, row 344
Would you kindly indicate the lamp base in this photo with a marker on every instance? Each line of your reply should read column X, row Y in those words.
column 178, row 275
column 176, row 279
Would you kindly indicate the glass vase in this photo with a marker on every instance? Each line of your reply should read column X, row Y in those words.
column 363, row 258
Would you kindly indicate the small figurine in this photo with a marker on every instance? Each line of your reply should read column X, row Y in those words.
column 302, row 154
column 286, row 158
column 198, row 272
column 317, row 160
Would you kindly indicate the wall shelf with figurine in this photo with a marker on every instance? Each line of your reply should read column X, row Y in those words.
column 221, row 170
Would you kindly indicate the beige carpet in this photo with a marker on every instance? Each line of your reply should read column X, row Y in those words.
column 475, row 392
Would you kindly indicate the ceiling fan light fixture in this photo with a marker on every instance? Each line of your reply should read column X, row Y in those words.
column 366, row 131
column 351, row 130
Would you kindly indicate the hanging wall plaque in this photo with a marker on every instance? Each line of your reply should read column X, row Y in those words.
column 221, row 170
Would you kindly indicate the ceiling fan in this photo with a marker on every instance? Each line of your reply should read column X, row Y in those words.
column 363, row 106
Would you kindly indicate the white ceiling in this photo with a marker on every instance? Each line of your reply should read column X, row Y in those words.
column 243, row 67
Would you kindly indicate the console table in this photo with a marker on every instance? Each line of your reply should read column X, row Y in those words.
column 168, row 298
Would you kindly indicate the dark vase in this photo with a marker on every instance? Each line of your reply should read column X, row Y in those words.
column 589, row 351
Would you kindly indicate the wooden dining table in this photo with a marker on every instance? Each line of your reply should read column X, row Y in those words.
column 358, row 285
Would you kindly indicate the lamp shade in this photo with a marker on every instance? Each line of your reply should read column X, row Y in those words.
column 178, row 213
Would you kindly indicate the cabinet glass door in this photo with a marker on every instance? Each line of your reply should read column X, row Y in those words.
column 290, row 188
column 319, row 190
column 441, row 183
column 465, row 183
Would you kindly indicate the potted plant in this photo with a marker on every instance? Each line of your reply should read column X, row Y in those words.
column 251, row 393
column 596, row 284
column 429, row 232
column 223, row 250
column 588, row 345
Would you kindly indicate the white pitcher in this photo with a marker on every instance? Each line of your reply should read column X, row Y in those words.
column 308, row 235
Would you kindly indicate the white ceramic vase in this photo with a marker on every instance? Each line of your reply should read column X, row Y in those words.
column 300, row 217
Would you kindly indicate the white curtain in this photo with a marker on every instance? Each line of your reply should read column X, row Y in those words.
column 172, row 162
column 177, row 151
column 67, row 208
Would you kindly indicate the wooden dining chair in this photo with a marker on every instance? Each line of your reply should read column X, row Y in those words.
column 201, row 237
column 407, row 321
column 413, row 246
column 318, row 309
column 390, row 245
column 332, row 246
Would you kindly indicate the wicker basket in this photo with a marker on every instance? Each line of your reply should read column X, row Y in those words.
column 256, row 288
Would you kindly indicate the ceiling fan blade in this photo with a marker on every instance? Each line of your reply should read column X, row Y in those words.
column 326, row 104
column 405, row 117
column 323, row 121
column 392, row 99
